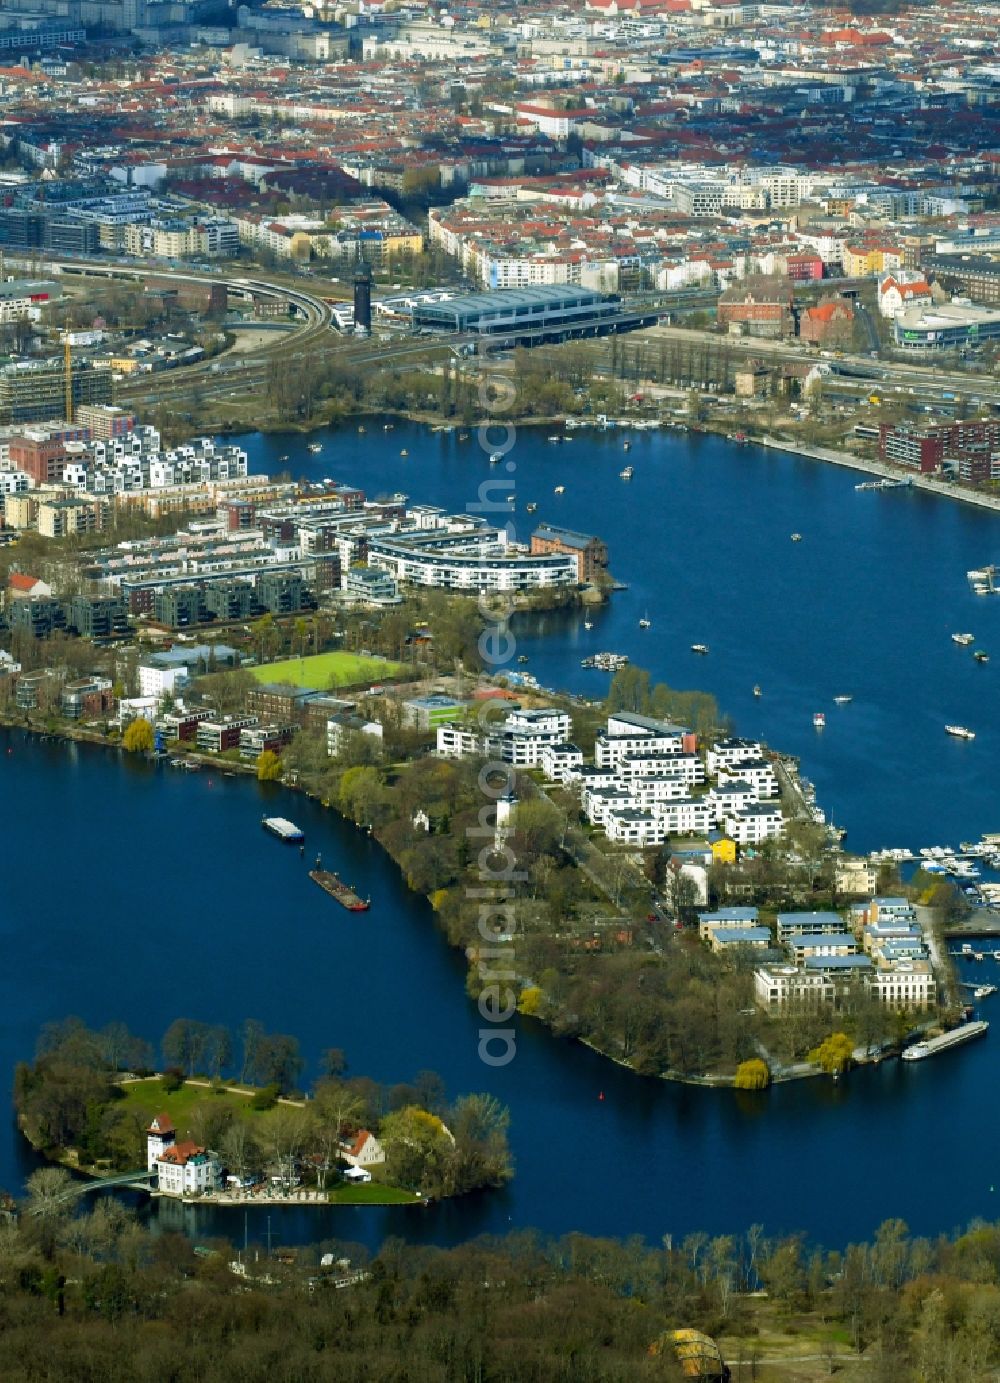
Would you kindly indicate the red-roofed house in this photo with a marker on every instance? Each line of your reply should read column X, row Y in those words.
column 829, row 323
column 182, row 1169
column 21, row 586
column 899, row 290
column 363, row 1150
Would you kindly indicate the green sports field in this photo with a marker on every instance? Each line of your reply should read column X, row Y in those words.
column 320, row 671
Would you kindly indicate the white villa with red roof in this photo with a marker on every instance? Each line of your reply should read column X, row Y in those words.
column 902, row 288
column 182, row 1169
column 363, row 1150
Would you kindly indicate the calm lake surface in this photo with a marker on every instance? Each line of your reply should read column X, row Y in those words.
column 141, row 893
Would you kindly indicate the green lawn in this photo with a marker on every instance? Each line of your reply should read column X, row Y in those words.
column 149, row 1094
column 321, row 671
column 371, row 1193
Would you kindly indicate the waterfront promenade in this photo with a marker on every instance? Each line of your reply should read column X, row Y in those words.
column 946, row 488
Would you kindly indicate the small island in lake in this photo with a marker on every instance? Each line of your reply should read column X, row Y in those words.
column 91, row 1103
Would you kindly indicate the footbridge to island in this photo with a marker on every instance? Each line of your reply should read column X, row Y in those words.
column 76, row 1189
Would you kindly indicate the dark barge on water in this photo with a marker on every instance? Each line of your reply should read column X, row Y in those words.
column 333, row 884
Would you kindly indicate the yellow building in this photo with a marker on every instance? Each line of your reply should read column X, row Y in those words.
column 723, row 850
column 860, row 261
column 403, row 243
column 20, row 511
column 60, row 518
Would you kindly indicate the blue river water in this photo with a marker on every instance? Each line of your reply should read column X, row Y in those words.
column 863, row 605
column 138, row 893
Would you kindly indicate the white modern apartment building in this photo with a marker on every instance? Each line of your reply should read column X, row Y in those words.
column 725, row 754
column 475, row 562
column 560, row 762
column 628, row 734
column 685, row 816
column 908, row 984
column 756, row 773
column 754, row 824
column 730, row 798
column 632, row 767
column 457, row 741
column 627, row 827
column 521, row 739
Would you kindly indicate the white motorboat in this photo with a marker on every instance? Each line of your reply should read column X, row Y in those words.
column 963, row 639
column 960, row 732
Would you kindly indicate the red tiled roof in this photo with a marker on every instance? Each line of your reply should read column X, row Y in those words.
column 180, row 1153
column 361, row 1138
column 825, row 312
column 20, row 582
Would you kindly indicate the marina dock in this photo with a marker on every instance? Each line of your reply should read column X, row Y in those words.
column 955, row 1038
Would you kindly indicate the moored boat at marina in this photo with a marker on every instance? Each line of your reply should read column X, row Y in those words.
column 606, row 662
column 284, row 829
column 955, row 1038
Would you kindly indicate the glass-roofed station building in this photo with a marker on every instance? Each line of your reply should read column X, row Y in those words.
column 529, row 316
